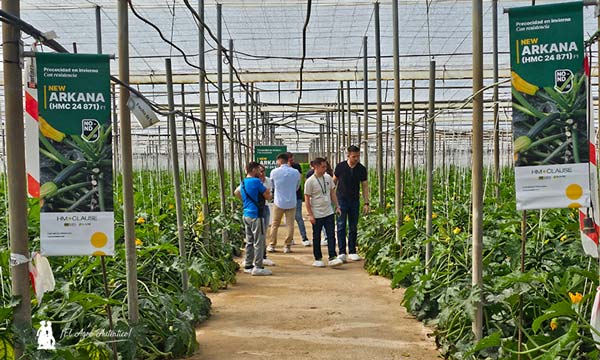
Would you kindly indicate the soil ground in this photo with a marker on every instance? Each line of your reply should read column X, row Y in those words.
column 302, row 312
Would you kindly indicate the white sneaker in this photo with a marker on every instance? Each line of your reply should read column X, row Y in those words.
column 335, row 262
column 324, row 242
column 318, row 263
column 248, row 271
column 287, row 250
column 306, row 243
column 342, row 257
column 261, row 272
column 354, row 257
column 293, row 242
column 268, row 262
column 270, row 248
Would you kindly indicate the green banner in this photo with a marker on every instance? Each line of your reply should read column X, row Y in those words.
column 75, row 135
column 267, row 155
column 549, row 95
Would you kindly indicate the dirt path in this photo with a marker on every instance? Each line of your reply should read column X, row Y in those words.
column 302, row 312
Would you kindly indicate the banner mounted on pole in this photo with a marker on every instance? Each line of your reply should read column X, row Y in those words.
column 549, row 95
column 75, row 143
column 267, row 156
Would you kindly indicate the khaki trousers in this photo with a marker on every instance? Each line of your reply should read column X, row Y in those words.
column 276, row 221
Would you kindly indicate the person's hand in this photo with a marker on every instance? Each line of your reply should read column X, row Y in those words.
column 366, row 209
column 312, row 219
column 338, row 211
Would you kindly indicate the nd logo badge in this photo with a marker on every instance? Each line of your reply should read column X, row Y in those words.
column 90, row 130
column 563, row 80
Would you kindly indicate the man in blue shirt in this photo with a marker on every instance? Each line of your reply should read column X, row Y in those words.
column 253, row 193
column 286, row 181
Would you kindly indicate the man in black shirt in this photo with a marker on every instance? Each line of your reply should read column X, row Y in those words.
column 349, row 175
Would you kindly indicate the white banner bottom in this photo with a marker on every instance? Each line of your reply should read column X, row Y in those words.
column 553, row 186
column 77, row 233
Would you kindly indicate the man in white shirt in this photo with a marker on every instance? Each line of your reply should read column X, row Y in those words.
column 285, row 181
column 319, row 194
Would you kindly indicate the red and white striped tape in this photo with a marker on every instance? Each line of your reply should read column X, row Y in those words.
column 32, row 151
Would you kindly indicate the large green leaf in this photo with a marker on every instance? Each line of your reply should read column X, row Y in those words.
column 562, row 308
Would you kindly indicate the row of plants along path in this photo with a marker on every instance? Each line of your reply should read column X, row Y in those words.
column 168, row 314
column 555, row 293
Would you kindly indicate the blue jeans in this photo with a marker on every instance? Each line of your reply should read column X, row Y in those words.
column 329, row 223
column 300, row 220
column 349, row 213
column 266, row 223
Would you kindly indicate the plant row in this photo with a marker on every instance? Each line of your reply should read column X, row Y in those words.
column 549, row 302
column 168, row 314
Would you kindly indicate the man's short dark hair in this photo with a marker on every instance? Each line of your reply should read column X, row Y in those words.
column 289, row 154
column 252, row 165
column 283, row 156
column 353, row 149
column 318, row 161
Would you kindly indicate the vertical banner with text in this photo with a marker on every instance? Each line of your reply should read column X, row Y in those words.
column 76, row 176
column 549, row 96
column 267, row 155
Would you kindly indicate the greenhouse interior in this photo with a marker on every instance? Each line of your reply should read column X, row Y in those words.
column 450, row 144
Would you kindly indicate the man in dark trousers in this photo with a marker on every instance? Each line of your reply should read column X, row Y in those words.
column 349, row 175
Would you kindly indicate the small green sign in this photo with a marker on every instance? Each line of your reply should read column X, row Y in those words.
column 74, row 92
column 267, row 155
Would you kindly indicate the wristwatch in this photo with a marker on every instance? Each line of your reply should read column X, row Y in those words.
column 367, row 204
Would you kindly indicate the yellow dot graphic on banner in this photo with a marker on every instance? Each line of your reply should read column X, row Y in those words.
column 99, row 239
column 574, row 191
column 98, row 253
column 575, row 205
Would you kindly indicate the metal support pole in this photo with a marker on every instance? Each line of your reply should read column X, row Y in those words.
column 202, row 110
column 184, row 135
column 398, row 196
column 252, row 106
column 430, row 166
column 522, row 268
column 239, row 149
column 495, row 98
column 598, row 60
column 257, row 138
column 338, row 132
column 98, row 31
column 412, row 129
column 343, row 114
column 379, row 129
column 247, row 127
column 15, row 156
column 176, row 176
column 366, row 102
column 102, row 260
column 349, row 113
column 127, row 158
column 477, row 166
column 232, row 181
column 220, row 142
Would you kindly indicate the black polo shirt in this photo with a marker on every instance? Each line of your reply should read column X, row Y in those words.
column 349, row 179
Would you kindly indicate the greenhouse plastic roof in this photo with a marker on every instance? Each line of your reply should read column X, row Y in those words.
column 267, row 36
